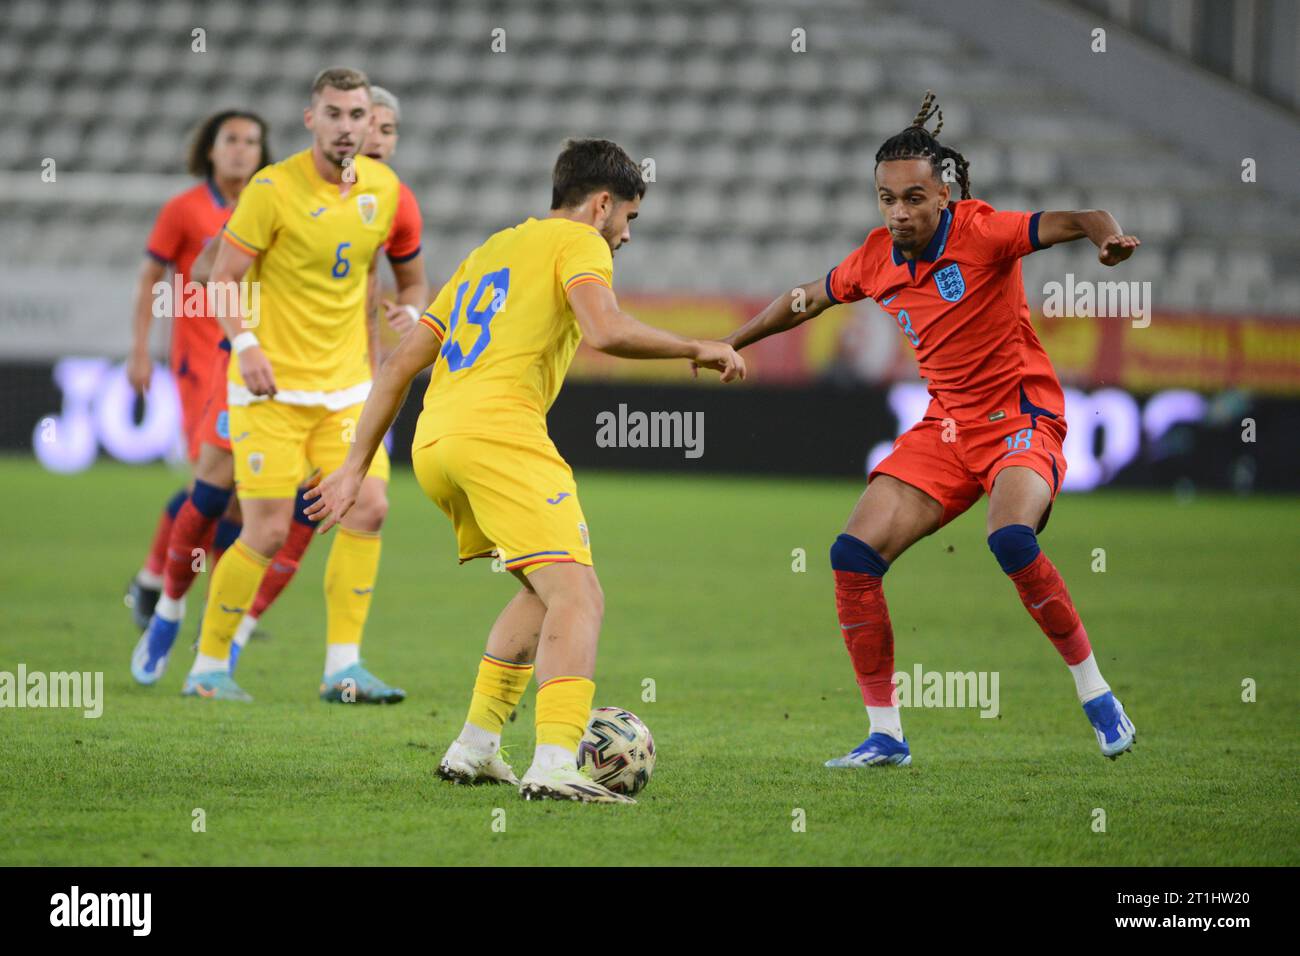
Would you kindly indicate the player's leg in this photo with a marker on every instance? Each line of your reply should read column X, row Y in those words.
column 566, row 664
column 192, row 390
column 235, row 580
column 189, row 550
column 889, row 518
column 142, row 592
column 268, row 458
column 503, row 675
column 521, row 500
column 1018, row 503
column 352, row 568
column 506, row 665
column 284, row 565
column 917, row 489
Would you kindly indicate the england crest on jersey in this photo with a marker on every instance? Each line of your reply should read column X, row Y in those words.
column 368, row 206
column 950, row 283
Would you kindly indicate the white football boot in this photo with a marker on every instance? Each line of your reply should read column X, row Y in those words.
column 461, row 764
column 566, row 783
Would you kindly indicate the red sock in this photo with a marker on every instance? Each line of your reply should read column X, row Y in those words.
column 192, row 530
column 864, row 622
column 1043, row 593
column 156, row 563
column 283, row 566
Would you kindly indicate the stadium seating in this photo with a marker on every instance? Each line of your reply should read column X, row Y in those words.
column 763, row 156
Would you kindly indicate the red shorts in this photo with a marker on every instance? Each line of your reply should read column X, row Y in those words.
column 956, row 464
column 192, row 373
column 214, row 421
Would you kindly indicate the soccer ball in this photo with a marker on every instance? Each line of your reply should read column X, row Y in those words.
column 617, row 750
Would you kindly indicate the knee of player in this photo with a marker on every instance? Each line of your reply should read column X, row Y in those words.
column 592, row 597
column 266, row 538
column 1015, row 546
column 853, row 554
column 369, row 512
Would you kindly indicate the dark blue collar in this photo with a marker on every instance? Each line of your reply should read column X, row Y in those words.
column 216, row 193
column 938, row 242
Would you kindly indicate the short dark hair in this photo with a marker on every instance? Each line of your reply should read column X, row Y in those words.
column 586, row 166
column 199, row 163
column 340, row 78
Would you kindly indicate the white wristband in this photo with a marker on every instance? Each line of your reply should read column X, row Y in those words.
column 413, row 312
column 242, row 341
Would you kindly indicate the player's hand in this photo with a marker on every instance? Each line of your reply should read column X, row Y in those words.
column 399, row 317
column 332, row 498
column 720, row 357
column 255, row 368
column 1115, row 249
column 139, row 371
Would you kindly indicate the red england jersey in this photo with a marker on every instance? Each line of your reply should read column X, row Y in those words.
column 961, row 306
column 403, row 241
column 184, row 226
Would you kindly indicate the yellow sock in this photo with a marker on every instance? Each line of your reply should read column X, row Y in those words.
column 563, row 709
column 350, row 576
column 497, row 690
column 234, row 584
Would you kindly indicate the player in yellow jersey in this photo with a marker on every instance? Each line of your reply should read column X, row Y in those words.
column 501, row 335
column 304, row 237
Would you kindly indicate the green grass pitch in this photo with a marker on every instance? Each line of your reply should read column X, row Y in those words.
column 753, row 692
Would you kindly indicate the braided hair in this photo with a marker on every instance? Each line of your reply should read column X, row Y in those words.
column 917, row 142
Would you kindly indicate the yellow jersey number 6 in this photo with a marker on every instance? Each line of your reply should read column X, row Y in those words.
column 499, row 283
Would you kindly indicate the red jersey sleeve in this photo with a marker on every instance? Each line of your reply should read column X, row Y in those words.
column 168, row 234
column 404, row 238
column 993, row 235
column 849, row 281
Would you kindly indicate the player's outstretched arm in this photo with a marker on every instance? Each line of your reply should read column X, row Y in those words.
column 336, row 495
column 783, row 313
column 1097, row 225
column 608, row 329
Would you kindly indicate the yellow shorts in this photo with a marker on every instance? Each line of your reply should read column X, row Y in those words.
column 518, row 500
column 276, row 446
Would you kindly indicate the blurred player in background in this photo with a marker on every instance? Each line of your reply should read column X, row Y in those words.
column 215, row 467
column 502, row 333
column 404, row 300
column 225, row 151
column 949, row 272
column 305, row 235
column 401, row 304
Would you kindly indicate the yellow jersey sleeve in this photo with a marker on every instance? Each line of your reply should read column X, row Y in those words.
column 437, row 315
column 253, row 223
column 584, row 259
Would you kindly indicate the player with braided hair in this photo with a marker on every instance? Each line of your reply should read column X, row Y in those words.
column 948, row 271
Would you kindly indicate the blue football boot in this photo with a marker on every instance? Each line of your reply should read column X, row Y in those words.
column 149, row 659
column 878, row 750
column 1115, row 732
